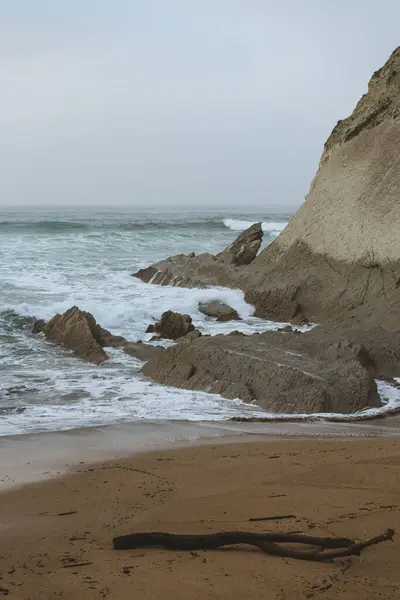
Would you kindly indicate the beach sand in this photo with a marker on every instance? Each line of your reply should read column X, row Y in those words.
column 343, row 487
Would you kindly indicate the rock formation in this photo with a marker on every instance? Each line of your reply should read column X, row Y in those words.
column 172, row 325
column 339, row 257
column 202, row 270
column 340, row 254
column 282, row 372
column 78, row 330
column 244, row 249
column 219, row 310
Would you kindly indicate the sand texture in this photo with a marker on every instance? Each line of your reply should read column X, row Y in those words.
column 338, row 487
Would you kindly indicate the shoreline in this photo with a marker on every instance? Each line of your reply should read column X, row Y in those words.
column 53, row 454
column 57, row 534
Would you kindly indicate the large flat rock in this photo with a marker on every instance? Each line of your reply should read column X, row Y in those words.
column 281, row 372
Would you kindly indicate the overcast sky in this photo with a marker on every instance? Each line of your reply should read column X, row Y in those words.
column 221, row 102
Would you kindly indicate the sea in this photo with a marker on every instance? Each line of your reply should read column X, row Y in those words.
column 54, row 259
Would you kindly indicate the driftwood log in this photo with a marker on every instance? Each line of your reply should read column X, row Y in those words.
column 271, row 543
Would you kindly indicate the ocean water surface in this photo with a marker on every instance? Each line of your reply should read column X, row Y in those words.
column 52, row 260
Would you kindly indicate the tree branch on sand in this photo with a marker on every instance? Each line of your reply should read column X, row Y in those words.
column 322, row 549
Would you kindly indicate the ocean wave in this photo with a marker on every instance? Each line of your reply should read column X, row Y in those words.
column 42, row 226
column 271, row 227
column 66, row 226
column 11, row 320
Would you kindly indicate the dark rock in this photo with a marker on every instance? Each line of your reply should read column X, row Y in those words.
column 219, row 310
column 173, row 326
column 151, row 329
column 38, row 326
column 78, row 331
column 286, row 329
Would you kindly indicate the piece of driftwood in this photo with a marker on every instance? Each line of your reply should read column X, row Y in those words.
column 270, row 543
column 277, row 518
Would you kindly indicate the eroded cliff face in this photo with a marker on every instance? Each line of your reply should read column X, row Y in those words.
column 339, row 257
column 340, row 254
column 352, row 211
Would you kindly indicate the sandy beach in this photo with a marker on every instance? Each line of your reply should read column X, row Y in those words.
column 333, row 487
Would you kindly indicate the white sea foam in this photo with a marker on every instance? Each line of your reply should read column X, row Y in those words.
column 271, row 227
column 44, row 387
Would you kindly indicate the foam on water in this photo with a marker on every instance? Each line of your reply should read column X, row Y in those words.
column 269, row 227
column 43, row 387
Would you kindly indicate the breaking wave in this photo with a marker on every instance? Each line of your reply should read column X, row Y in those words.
column 271, row 227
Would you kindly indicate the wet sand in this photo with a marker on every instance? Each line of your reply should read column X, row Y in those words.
column 346, row 487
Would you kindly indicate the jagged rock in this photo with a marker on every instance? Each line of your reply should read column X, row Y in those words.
column 202, row 270
column 219, row 310
column 146, row 274
column 244, row 249
column 38, row 326
column 173, row 326
column 78, row 331
column 284, row 374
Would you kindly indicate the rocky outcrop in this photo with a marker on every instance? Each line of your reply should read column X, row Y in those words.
column 218, row 310
column 172, row 325
column 142, row 351
column 280, row 371
column 339, row 257
column 78, row 330
column 244, row 249
column 203, row 270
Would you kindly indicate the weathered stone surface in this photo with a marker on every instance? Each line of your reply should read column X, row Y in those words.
column 77, row 330
column 142, row 351
column 244, row 249
column 173, row 325
column 280, row 372
column 189, row 337
column 219, row 310
column 146, row 274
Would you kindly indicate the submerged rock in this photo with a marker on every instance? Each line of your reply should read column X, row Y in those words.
column 219, row 310
column 38, row 326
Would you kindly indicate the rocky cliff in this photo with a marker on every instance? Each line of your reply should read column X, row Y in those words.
column 340, row 254
column 339, row 257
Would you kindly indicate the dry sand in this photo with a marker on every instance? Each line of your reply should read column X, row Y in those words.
column 345, row 487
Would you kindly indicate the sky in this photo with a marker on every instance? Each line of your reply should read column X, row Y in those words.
column 179, row 102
